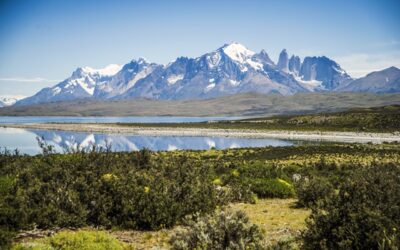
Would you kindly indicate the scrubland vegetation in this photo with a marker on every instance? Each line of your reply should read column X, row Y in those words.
column 214, row 199
column 379, row 119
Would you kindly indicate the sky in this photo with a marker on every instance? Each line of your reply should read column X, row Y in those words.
column 42, row 42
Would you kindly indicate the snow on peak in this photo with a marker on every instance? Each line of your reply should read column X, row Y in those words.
column 87, row 84
column 172, row 79
column 241, row 55
column 311, row 85
column 86, row 78
column 237, row 52
column 209, row 87
column 109, row 70
column 339, row 70
column 234, row 82
column 213, row 59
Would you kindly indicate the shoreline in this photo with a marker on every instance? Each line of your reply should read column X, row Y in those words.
column 206, row 132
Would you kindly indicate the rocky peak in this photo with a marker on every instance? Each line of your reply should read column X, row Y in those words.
column 283, row 62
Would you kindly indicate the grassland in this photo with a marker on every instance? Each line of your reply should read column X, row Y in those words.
column 279, row 218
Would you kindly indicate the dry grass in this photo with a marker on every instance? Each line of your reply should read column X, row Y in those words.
column 277, row 217
column 141, row 240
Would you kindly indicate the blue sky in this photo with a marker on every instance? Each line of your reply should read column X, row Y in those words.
column 42, row 42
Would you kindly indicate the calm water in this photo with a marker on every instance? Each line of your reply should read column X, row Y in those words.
column 132, row 119
column 25, row 141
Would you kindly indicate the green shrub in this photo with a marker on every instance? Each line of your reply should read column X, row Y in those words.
column 130, row 190
column 236, row 191
column 310, row 191
column 221, row 230
column 271, row 188
column 267, row 170
column 6, row 235
column 365, row 214
column 82, row 240
column 12, row 210
column 289, row 243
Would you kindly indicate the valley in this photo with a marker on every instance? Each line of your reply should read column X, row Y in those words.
column 248, row 104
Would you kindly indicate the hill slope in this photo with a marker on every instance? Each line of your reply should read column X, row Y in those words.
column 238, row 105
column 384, row 81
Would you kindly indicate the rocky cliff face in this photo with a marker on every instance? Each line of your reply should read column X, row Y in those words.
column 294, row 65
column 324, row 70
column 283, row 62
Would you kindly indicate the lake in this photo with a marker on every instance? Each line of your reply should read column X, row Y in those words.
column 25, row 141
column 106, row 119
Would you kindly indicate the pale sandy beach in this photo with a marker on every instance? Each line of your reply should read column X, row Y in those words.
column 160, row 131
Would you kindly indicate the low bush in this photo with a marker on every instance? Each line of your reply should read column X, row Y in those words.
column 310, row 191
column 6, row 235
column 12, row 210
column 221, row 230
column 365, row 214
column 235, row 190
column 289, row 243
column 128, row 190
column 271, row 188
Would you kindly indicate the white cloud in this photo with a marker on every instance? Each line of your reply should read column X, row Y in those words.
column 358, row 65
column 18, row 97
column 23, row 79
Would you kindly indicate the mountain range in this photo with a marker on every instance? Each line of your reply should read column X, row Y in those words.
column 231, row 69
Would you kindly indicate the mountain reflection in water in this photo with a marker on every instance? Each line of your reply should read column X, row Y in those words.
column 118, row 142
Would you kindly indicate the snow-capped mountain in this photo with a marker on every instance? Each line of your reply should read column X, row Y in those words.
column 9, row 100
column 124, row 79
column 230, row 69
column 81, row 84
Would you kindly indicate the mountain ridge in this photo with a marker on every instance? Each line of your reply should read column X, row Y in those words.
column 383, row 81
column 231, row 69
